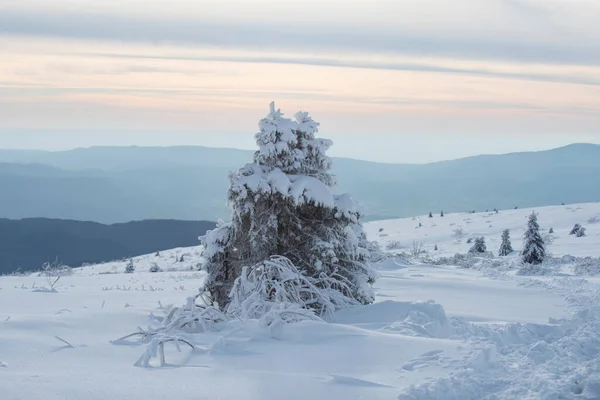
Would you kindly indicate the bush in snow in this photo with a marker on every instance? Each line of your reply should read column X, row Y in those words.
column 393, row 245
column 430, row 214
column 593, row 220
column 417, row 249
column 53, row 271
column 575, row 229
column 458, row 233
column 479, row 246
column 505, row 246
column 469, row 240
column 551, row 231
column 283, row 207
column 533, row 244
column 580, row 232
column 155, row 268
column 130, row 268
column 586, row 266
column 377, row 254
column 435, row 248
column 442, row 214
column 275, row 290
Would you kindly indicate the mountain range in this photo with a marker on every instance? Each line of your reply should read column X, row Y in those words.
column 120, row 184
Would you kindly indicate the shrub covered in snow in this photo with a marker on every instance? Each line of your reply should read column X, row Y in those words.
column 393, row 245
column 580, row 232
column 575, row 229
column 155, row 268
column 283, row 206
column 276, row 290
column 479, row 246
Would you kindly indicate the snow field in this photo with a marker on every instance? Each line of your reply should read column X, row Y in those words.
column 435, row 332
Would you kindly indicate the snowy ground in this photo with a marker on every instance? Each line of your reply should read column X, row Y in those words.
column 436, row 332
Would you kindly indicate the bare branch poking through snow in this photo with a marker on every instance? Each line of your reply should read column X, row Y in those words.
column 64, row 341
column 156, row 349
column 417, row 249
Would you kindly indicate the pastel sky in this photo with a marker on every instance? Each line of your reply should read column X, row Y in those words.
column 389, row 80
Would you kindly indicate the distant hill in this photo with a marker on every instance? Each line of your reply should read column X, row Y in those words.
column 118, row 184
column 28, row 243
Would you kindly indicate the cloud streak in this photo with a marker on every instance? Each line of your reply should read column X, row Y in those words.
column 555, row 47
column 412, row 67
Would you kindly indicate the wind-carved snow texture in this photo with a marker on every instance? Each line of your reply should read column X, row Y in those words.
column 470, row 331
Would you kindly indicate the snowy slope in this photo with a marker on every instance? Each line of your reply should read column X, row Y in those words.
column 436, row 332
column 441, row 230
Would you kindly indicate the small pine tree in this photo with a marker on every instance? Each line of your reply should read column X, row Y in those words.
column 533, row 243
column 551, row 231
column 435, row 247
column 442, row 213
column 505, row 246
column 430, row 214
column 469, row 240
column 181, row 259
column 479, row 246
column 575, row 229
column 580, row 232
column 420, row 225
column 130, row 268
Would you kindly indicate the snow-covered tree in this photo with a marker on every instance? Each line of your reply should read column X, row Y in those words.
column 430, row 214
column 479, row 246
column 435, row 247
column 580, row 232
column 551, row 231
column 505, row 246
column 442, row 214
column 533, row 244
column 285, row 214
column 130, row 268
column 575, row 229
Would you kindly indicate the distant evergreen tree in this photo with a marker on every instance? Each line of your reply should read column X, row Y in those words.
column 435, row 247
column 130, row 268
column 479, row 246
column 575, row 229
column 420, row 225
column 551, row 231
column 442, row 213
column 534, row 251
column 430, row 214
column 505, row 246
